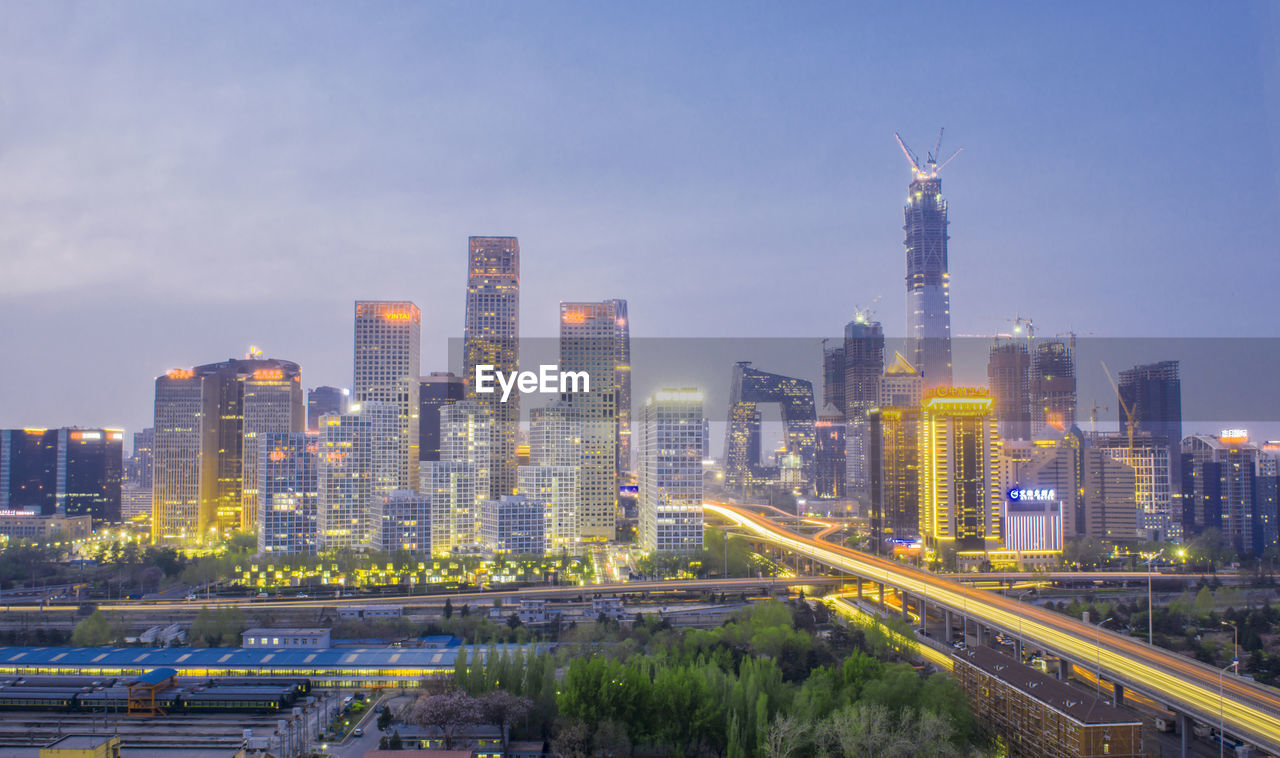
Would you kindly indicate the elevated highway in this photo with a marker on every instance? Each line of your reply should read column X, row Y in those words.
column 1191, row 689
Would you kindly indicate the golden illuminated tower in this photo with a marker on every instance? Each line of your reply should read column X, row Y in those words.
column 491, row 336
column 388, row 344
column 960, row 503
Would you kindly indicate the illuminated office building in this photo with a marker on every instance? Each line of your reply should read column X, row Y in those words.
column 1053, row 385
column 902, row 385
column 589, row 343
column 555, row 435
column 863, row 370
column 1109, row 504
column 1009, row 378
column 1221, row 483
column 833, row 375
column 555, row 490
column 402, row 522
column 1033, row 526
column 178, row 513
column 960, row 499
column 491, row 336
column 928, row 280
column 751, row 387
column 1266, row 499
column 326, row 401
column 138, row 466
column 467, row 436
column 829, row 456
column 69, row 472
column 670, row 472
column 895, row 473
column 455, row 492
column 435, row 391
column 513, row 525
column 388, row 344
column 1153, row 489
column 272, row 404
column 1047, row 464
column 1151, row 395
column 288, row 493
column 360, row 461
column 622, row 381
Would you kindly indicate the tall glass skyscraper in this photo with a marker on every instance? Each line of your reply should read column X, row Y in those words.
column 388, row 346
column 588, row 342
column 436, row 391
column 670, row 472
column 928, row 282
column 491, row 336
column 863, row 366
column 751, row 387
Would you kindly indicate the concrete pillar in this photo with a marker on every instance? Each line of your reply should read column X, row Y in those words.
column 947, row 625
column 1119, row 694
column 1064, row 669
column 859, row 582
column 1017, row 650
column 980, row 635
column 906, row 607
column 880, row 589
column 924, row 616
column 1184, row 731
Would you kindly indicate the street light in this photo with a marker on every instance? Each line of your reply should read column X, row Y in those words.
column 1098, row 650
column 1222, row 737
column 1149, row 611
column 1235, row 648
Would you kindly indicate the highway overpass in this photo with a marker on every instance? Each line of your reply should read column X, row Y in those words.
column 1188, row 688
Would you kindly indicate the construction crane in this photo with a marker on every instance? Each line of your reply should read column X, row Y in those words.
column 863, row 315
column 1128, row 411
column 1093, row 416
column 933, row 163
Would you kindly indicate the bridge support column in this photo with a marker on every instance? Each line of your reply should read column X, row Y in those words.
column 906, row 607
column 1184, row 732
column 924, row 616
column 1017, row 650
column 980, row 635
column 947, row 622
column 1064, row 669
column 1119, row 694
column 880, row 589
column 859, row 583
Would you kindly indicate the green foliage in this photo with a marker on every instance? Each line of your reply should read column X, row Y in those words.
column 93, row 631
column 219, row 627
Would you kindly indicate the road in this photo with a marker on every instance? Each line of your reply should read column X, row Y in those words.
column 1250, row 710
column 354, row 747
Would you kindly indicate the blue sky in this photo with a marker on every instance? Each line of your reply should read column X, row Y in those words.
column 178, row 181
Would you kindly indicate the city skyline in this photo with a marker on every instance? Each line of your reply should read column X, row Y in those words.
column 823, row 197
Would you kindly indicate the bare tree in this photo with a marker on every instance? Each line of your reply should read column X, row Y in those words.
column 448, row 711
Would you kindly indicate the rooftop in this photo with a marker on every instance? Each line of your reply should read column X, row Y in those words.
column 139, row 659
column 1057, row 694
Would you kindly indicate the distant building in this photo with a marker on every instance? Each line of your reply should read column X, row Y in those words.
column 326, row 401
column 670, row 472
column 454, row 491
column 288, row 493
column 260, row 637
column 1152, row 395
column 272, row 404
column 1109, row 504
column 1266, row 499
column 863, row 367
column 69, row 471
column 360, row 461
column 138, row 466
column 589, row 343
column 387, row 367
column 960, row 502
column 1009, row 377
column 1153, row 490
column 402, row 522
column 555, row 488
column 902, row 385
column 435, row 391
column 1036, row 715
column 491, row 336
column 1220, row 483
column 829, row 465
column 928, row 281
column 833, row 375
column 895, row 473
column 622, row 381
column 1047, row 464
column 513, row 524
column 1033, row 525
column 751, row 387
column 1053, row 385
column 467, row 436
column 26, row 525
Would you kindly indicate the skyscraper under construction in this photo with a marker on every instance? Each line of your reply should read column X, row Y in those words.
column 928, row 283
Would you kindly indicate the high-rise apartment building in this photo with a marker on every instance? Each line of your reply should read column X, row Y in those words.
column 467, row 436
column 402, row 522
column 69, row 472
column 360, row 461
column 491, row 337
column 589, row 343
column 1109, row 505
column 437, row 390
column 326, row 401
column 1009, row 378
column 1154, row 499
column 555, row 489
column 288, row 493
column 670, row 472
column 1053, row 385
column 960, row 499
column 454, row 491
column 928, row 280
column 388, row 346
column 1221, row 484
column 863, row 370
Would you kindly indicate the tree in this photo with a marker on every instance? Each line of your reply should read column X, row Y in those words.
column 448, row 711
column 787, row 737
column 395, row 743
column 93, row 631
column 448, row 608
column 504, row 709
column 384, row 719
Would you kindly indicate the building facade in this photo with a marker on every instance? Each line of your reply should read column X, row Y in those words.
column 387, row 368
column 1053, row 385
column 491, row 336
column 670, row 472
column 437, row 390
column 455, row 492
column 555, row 488
column 178, row 513
column 960, row 499
column 750, row 388
column 326, row 401
column 1009, row 378
column 402, row 522
column 589, row 343
column 514, row 525
column 360, row 461
column 863, row 373
column 1220, row 483
column 895, row 472
column 928, row 280
column 288, row 493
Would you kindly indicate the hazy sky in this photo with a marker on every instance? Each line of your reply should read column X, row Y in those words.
column 178, row 181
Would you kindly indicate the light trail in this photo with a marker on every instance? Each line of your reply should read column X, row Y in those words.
column 1250, row 710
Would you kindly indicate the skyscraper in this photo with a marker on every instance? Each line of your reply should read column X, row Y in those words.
column 589, row 342
column 555, row 489
column 388, row 345
column 29, row 470
column 138, row 467
column 491, row 337
column 1152, row 395
column 272, row 405
column 863, row 366
column 435, row 391
column 360, row 461
column 1009, row 377
column 1222, row 473
column 467, row 436
column 178, row 513
column 622, row 380
column 894, row 467
column 829, row 464
column 928, row 282
column 402, row 522
column 960, row 501
column 323, row 401
column 902, row 385
column 670, row 472
column 751, row 387
column 1053, row 385
column 833, row 375
column 69, row 471
column 453, row 489
column 288, row 493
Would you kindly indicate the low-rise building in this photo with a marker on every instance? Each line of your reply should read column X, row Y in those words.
column 27, row 525
column 1037, row 715
column 285, row 638
column 83, row 746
